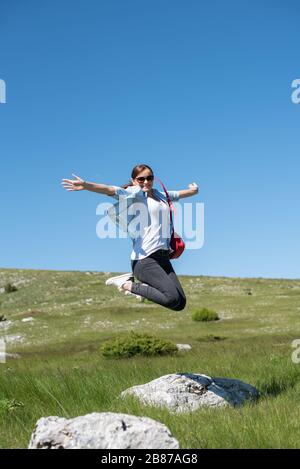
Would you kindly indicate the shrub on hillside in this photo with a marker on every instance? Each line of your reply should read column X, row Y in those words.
column 137, row 344
column 9, row 288
column 204, row 314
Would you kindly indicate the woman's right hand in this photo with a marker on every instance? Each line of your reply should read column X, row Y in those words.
column 73, row 184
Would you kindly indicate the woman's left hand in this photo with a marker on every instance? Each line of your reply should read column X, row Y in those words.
column 193, row 187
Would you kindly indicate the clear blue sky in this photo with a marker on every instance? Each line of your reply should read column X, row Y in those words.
column 199, row 90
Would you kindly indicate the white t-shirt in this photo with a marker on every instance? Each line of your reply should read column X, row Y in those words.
column 151, row 221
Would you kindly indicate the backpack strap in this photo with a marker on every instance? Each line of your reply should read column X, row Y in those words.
column 171, row 206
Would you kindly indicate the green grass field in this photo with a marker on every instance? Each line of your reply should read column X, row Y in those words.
column 61, row 371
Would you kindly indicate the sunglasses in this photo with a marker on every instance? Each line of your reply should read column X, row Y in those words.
column 143, row 179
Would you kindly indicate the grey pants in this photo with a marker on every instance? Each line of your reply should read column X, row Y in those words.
column 163, row 286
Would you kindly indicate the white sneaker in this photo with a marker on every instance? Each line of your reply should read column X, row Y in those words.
column 119, row 280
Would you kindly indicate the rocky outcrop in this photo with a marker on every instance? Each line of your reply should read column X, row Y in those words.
column 186, row 392
column 101, row 431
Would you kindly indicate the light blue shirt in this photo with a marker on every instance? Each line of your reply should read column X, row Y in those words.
column 151, row 229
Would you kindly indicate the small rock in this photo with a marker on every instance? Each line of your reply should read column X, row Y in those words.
column 183, row 346
column 30, row 319
column 105, row 430
column 5, row 324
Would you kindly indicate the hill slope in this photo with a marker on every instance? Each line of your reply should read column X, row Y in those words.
column 61, row 372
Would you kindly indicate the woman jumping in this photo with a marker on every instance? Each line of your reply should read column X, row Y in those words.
column 150, row 260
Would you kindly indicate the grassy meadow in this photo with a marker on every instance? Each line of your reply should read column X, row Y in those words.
column 61, row 372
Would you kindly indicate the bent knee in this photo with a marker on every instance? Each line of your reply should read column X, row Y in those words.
column 177, row 303
column 181, row 305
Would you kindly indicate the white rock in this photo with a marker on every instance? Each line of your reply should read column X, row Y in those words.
column 183, row 346
column 186, row 392
column 30, row 319
column 5, row 324
column 101, row 431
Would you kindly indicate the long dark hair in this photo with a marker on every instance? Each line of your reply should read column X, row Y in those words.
column 136, row 170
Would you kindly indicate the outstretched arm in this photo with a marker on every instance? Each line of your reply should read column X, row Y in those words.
column 79, row 184
column 193, row 190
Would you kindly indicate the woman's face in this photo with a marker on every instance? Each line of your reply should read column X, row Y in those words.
column 140, row 180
